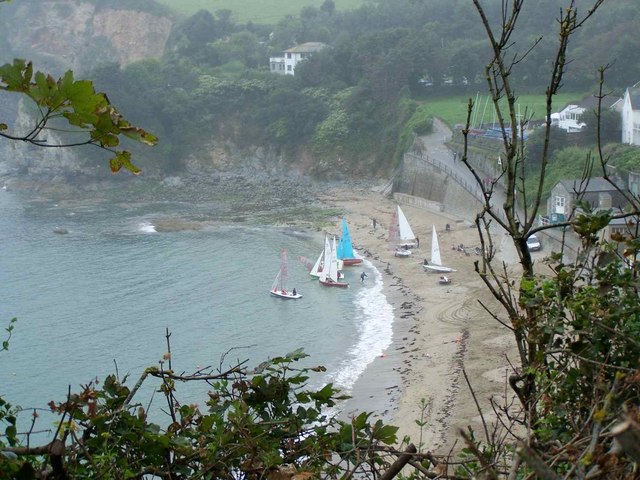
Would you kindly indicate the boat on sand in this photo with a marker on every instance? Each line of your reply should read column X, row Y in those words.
column 435, row 265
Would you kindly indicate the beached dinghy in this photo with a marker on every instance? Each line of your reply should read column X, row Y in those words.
column 401, row 235
column 345, row 251
column 435, row 266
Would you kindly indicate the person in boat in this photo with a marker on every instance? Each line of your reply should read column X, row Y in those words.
column 294, row 292
column 284, row 292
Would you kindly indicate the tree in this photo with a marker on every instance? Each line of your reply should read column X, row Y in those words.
column 328, row 7
column 574, row 322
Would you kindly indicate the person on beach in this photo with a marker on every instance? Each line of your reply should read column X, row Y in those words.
column 362, row 276
column 417, row 241
column 375, row 222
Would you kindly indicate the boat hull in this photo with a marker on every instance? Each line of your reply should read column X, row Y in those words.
column 351, row 261
column 437, row 268
column 327, row 283
column 285, row 295
column 402, row 253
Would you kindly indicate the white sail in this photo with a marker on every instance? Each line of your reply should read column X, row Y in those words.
column 436, row 262
column 333, row 264
column 277, row 283
column 315, row 270
column 326, row 260
column 404, row 229
column 435, row 248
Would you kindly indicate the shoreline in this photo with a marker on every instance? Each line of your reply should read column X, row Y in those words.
column 438, row 330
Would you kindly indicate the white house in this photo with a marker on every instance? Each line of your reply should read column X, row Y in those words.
column 575, row 116
column 631, row 115
column 286, row 65
column 569, row 119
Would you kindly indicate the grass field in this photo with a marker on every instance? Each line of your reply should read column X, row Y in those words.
column 256, row 11
column 453, row 110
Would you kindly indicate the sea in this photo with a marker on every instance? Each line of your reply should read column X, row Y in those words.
column 102, row 298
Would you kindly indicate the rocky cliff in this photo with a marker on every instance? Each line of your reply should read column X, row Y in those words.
column 77, row 35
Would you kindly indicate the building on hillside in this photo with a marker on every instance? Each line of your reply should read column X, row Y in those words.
column 598, row 193
column 631, row 115
column 286, row 65
column 573, row 117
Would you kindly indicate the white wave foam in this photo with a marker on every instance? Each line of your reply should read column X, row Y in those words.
column 146, row 227
column 375, row 319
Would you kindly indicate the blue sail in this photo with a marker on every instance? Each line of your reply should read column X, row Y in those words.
column 345, row 248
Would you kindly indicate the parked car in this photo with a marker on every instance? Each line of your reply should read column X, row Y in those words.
column 533, row 244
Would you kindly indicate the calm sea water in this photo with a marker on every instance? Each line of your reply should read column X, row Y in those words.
column 103, row 295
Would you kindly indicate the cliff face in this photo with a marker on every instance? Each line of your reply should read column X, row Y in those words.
column 77, row 35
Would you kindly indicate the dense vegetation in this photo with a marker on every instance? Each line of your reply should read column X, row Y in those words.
column 349, row 103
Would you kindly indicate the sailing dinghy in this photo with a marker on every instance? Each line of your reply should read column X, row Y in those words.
column 319, row 265
column 278, row 289
column 435, row 265
column 401, row 234
column 329, row 275
column 345, row 247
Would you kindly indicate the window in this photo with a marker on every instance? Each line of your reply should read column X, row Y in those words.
column 560, row 202
column 288, row 55
column 289, row 68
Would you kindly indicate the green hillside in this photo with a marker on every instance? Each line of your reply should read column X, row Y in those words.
column 256, row 11
column 453, row 110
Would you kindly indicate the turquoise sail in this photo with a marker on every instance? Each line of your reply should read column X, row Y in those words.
column 345, row 248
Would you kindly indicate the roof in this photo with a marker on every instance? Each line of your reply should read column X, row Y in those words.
column 590, row 102
column 634, row 96
column 308, row 47
column 596, row 184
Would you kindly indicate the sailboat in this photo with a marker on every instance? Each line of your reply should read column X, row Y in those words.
column 436, row 262
column 400, row 234
column 317, row 267
column 329, row 274
column 278, row 288
column 345, row 247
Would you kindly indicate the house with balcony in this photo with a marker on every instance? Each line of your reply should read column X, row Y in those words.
column 286, row 64
column 574, row 116
column 631, row 115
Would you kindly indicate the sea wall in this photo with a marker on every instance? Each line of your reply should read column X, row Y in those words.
column 428, row 183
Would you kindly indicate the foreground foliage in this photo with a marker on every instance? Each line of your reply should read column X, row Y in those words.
column 575, row 318
column 255, row 424
column 93, row 119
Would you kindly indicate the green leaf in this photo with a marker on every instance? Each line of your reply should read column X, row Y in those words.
column 385, row 433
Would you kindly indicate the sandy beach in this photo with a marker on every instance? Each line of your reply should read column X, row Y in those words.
column 438, row 329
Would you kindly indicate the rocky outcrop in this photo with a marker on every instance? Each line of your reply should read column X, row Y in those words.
column 256, row 160
column 77, row 35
